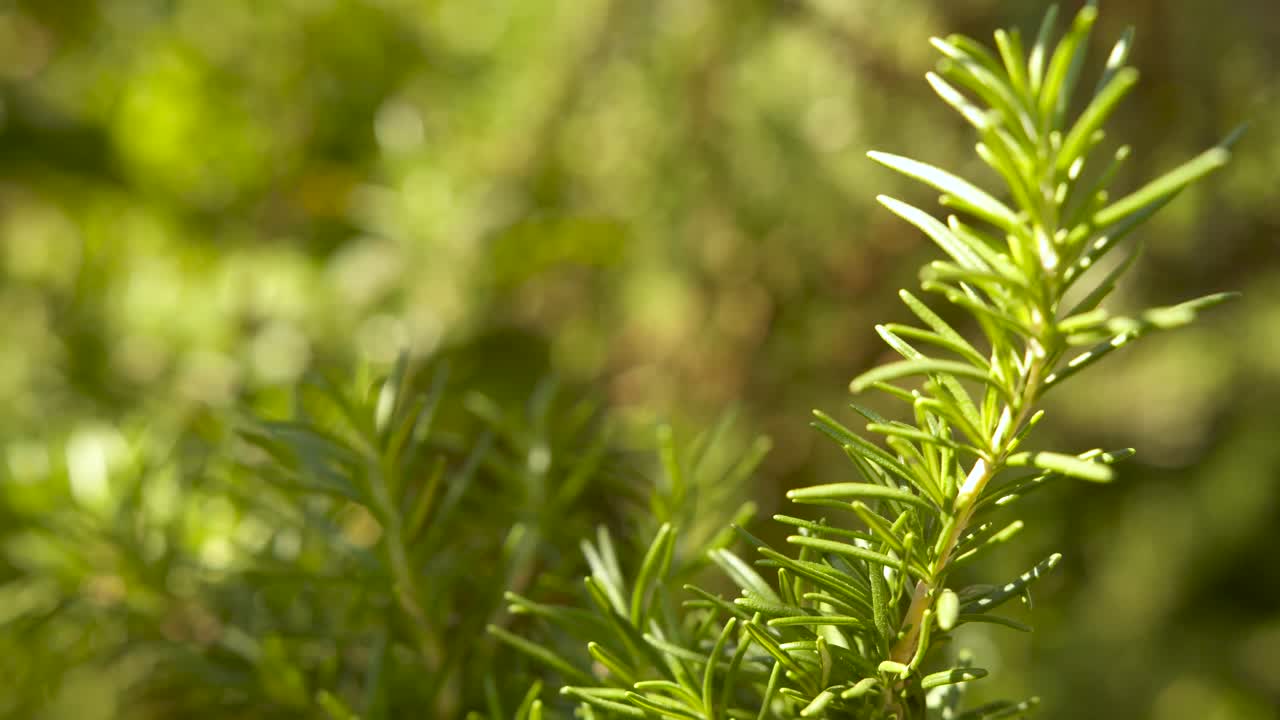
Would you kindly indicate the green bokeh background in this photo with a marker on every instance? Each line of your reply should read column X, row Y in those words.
column 666, row 201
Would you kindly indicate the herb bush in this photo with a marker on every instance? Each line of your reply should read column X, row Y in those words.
column 387, row 515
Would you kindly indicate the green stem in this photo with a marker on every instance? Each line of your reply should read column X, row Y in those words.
column 1012, row 418
column 397, row 558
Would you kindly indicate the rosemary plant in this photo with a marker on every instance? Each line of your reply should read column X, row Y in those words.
column 396, row 512
column 855, row 624
column 373, row 502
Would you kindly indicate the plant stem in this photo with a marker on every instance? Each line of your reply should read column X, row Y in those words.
column 405, row 587
column 1012, row 419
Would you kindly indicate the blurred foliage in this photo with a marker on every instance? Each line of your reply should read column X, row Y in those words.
column 202, row 202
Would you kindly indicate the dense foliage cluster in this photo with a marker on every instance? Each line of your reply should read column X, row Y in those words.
column 226, row 491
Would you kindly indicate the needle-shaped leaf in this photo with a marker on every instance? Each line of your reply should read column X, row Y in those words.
column 708, row 677
column 915, row 333
column 995, row 598
column 1161, row 189
column 998, row 538
column 766, row 641
column 846, row 587
column 940, row 326
column 1087, row 358
column 992, row 318
column 1011, row 160
column 542, row 655
column 1116, row 60
column 1009, row 45
column 1108, row 284
column 604, row 699
column 715, row 601
column 605, row 571
column 956, row 99
column 662, row 707
column 744, row 576
column 910, row 368
column 901, row 346
column 845, row 549
column 951, row 677
column 1068, row 465
column 993, row 283
column 1040, row 50
column 860, row 688
column 755, row 604
column 1103, row 104
column 992, row 250
column 819, row 528
column 1006, row 105
column 1060, row 78
column 1079, row 328
column 879, row 605
column 818, row 705
column 1128, row 329
column 989, row 619
column 843, row 491
column 914, row 434
column 575, row 618
column 960, row 47
column 879, row 527
column 611, row 662
column 870, row 459
column 654, row 566
column 1088, row 201
column 968, row 196
column 939, row 233
column 813, row 620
